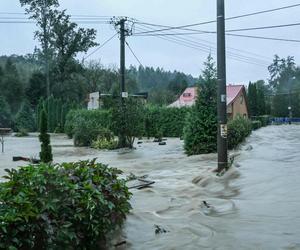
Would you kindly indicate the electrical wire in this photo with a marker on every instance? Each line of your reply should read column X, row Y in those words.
column 213, row 21
column 207, row 49
column 100, row 46
column 132, row 52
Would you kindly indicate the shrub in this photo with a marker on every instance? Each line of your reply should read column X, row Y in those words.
column 128, row 121
column 105, row 140
column 67, row 206
column 87, row 118
column 200, row 132
column 238, row 129
column 264, row 119
column 25, row 118
column 256, row 125
column 22, row 133
column 44, row 137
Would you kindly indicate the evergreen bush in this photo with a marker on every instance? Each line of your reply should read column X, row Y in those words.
column 25, row 119
column 46, row 150
column 64, row 206
column 200, row 131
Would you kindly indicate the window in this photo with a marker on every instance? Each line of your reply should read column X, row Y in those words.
column 187, row 94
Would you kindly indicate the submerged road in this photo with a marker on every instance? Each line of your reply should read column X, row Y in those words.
column 255, row 206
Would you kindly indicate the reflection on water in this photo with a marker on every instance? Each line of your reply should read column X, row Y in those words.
column 253, row 207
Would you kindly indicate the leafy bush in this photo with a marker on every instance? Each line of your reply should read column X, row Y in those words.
column 256, row 125
column 264, row 119
column 22, row 133
column 105, row 140
column 238, row 129
column 128, row 121
column 67, row 206
column 86, row 125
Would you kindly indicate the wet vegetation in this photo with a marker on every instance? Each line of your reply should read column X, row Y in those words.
column 62, row 206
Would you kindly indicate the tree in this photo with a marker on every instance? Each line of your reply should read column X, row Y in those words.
column 60, row 40
column 200, row 131
column 46, row 150
column 11, row 86
column 252, row 99
column 128, row 121
column 36, row 88
column 5, row 114
column 25, row 118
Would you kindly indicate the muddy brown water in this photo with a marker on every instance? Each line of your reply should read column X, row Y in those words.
column 255, row 206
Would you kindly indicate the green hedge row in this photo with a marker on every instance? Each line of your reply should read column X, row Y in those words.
column 68, row 206
column 238, row 129
column 164, row 121
column 85, row 125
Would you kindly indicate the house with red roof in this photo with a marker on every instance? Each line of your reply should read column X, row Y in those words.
column 236, row 100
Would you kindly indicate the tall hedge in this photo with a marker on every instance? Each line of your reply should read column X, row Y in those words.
column 169, row 122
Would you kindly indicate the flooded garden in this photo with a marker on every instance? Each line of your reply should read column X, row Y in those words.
column 254, row 205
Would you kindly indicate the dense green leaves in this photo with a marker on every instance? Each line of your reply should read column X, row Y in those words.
column 5, row 113
column 67, row 206
column 25, row 119
column 46, row 150
column 238, row 129
column 200, row 132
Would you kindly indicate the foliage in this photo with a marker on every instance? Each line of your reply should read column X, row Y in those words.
column 128, row 120
column 169, row 122
column 285, row 83
column 11, row 86
column 264, row 120
column 22, row 133
column 5, row 114
column 256, row 98
column 238, row 129
column 57, row 111
column 78, row 120
column 25, row 119
column 46, row 150
column 200, row 131
column 105, row 140
column 256, row 124
column 68, row 206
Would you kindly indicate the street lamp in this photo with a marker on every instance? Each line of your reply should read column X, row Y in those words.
column 290, row 99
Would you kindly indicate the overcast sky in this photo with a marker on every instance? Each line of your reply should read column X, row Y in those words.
column 152, row 51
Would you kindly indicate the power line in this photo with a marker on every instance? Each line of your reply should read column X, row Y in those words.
column 101, row 46
column 213, row 21
column 207, row 49
column 134, row 54
column 228, row 34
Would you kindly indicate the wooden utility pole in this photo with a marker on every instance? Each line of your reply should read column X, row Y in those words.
column 222, row 104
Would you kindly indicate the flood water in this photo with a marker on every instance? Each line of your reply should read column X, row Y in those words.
column 254, row 206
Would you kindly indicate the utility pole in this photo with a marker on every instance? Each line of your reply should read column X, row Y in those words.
column 122, row 138
column 222, row 104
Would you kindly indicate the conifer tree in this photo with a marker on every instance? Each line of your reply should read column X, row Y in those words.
column 46, row 150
